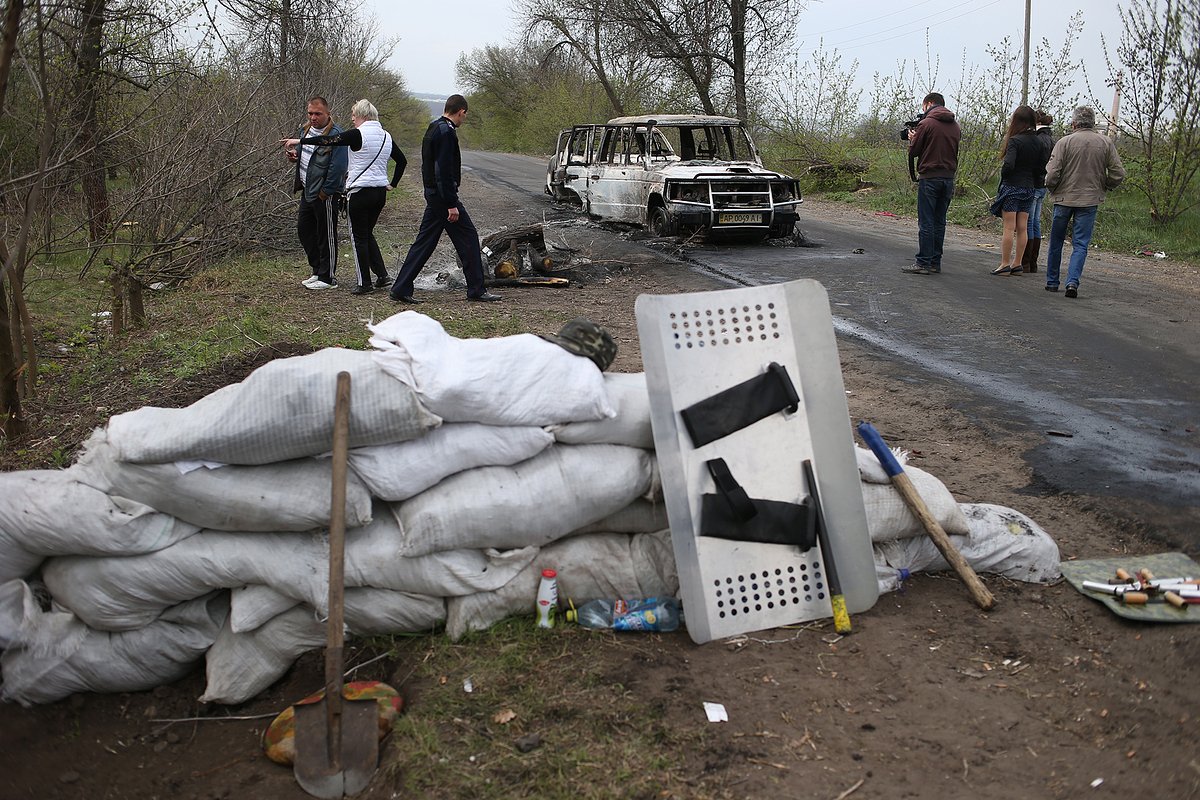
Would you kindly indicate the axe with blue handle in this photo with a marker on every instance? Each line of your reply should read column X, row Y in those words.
column 912, row 498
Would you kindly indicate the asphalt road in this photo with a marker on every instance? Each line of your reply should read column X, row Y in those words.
column 1116, row 370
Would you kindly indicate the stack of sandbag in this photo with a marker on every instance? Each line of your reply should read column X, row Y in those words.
column 204, row 527
column 992, row 539
column 475, row 464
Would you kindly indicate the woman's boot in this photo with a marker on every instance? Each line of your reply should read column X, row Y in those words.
column 1029, row 260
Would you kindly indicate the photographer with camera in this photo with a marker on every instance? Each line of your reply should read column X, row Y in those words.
column 933, row 162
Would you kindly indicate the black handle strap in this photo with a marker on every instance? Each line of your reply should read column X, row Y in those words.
column 741, row 406
column 732, row 514
column 740, row 504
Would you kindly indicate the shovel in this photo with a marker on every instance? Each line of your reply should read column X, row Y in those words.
column 337, row 744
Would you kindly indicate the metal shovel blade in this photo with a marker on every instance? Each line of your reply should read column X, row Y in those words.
column 322, row 770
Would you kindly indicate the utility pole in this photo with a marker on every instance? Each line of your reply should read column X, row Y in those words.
column 1025, row 69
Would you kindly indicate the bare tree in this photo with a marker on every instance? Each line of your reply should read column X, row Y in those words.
column 1159, row 54
column 10, row 397
column 586, row 28
column 173, row 151
column 816, row 112
column 721, row 47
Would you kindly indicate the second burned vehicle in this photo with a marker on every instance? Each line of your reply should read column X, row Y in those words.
column 673, row 173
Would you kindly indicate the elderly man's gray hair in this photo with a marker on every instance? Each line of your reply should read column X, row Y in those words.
column 364, row 109
column 1083, row 117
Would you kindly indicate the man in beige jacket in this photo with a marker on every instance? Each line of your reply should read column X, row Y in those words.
column 1083, row 166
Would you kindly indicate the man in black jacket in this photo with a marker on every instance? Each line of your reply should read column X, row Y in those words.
column 441, row 172
column 320, row 173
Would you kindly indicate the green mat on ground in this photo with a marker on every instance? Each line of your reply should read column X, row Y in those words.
column 1162, row 565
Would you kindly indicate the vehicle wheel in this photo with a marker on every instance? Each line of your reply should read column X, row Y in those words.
column 782, row 230
column 659, row 223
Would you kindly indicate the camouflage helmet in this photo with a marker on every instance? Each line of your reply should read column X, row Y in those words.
column 585, row 338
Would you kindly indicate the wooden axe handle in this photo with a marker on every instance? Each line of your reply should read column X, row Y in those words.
column 916, row 504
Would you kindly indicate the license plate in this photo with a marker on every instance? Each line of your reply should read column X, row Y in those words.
column 739, row 219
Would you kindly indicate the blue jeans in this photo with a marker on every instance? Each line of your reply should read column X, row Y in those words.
column 1035, row 214
column 1081, row 237
column 933, row 201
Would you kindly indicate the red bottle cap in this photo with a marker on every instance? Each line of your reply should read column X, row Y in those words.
column 549, row 573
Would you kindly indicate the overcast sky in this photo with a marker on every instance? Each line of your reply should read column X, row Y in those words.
column 876, row 32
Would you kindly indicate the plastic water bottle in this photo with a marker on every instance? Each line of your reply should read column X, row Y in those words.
column 547, row 599
column 650, row 614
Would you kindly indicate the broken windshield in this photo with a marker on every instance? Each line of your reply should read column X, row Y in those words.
column 709, row 142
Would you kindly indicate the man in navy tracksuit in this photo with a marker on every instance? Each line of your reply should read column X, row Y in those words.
column 441, row 172
column 320, row 174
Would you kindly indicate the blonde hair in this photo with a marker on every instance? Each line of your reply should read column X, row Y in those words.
column 364, row 109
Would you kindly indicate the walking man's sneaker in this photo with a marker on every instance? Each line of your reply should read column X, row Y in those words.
column 383, row 282
column 319, row 284
column 308, row 280
column 404, row 298
column 362, row 289
column 1072, row 290
column 486, row 297
column 916, row 269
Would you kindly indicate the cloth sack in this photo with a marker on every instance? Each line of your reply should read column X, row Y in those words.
column 286, row 496
column 590, row 567
column 85, row 660
column 398, row 471
column 51, row 513
column 631, row 426
column 283, row 410
column 532, row 503
column 128, row 593
column 507, row 380
column 1000, row 541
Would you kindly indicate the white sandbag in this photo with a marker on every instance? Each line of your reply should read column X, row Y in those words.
column 600, row 565
column 374, row 557
column 49, row 512
column 283, row 410
column 23, row 622
column 631, row 426
column 384, row 612
column 399, row 471
column 1001, row 541
column 506, row 380
column 532, row 503
column 117, row 594
column 127, row 593
column 239, row 666
column 640, row 516
column 93, row 661
column 888, row 517
column 251, row 606
column 287, row 496
column 869, row 468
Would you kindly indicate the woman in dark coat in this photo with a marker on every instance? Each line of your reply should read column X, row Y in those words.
column 1034, row 245
column 1023, row 159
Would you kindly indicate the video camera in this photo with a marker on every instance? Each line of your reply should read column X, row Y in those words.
column 910, row 126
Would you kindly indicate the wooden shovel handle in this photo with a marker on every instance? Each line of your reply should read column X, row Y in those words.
column 916, row 504
column 335, row 636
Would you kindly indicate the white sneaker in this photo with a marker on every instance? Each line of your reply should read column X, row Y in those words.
column 308, row 280
column 318, row 284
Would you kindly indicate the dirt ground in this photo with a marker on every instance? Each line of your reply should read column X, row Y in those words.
column 1049, row 695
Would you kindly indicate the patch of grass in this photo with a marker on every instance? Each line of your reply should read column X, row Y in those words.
column 598, row 738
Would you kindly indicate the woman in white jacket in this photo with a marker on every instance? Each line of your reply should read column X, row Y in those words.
column 367, row 185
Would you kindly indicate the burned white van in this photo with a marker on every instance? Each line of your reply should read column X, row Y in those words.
column 673, row 173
